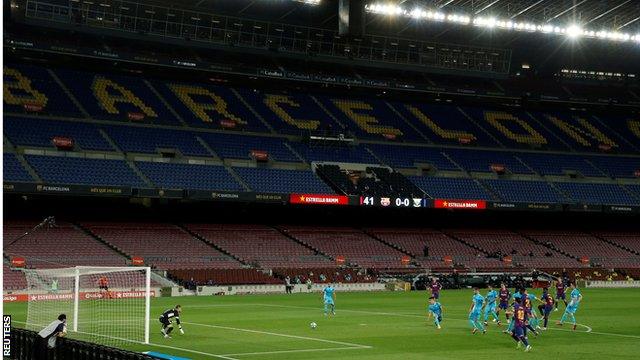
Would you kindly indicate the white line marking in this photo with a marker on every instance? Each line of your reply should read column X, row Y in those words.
column 294, row 351
column 151, row 344
column 589, row 330
column 282, row 335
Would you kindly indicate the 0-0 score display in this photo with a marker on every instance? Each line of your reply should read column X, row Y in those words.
column 391, row 201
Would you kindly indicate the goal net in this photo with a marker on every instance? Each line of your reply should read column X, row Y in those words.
column 105, row 305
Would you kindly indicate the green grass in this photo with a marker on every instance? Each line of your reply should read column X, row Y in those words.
column 385, row 325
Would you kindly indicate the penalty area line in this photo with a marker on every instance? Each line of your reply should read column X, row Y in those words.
column 149, row 344
column 588, row 330
column 294, row 351
column 350, row 345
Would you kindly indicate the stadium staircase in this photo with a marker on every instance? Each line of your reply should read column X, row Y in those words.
column 547, row 245
column 195, row 235
column 472, row 120
column 293, row 238
column 476, row 247
column 395, row 246
column 165, row 102
column 253, row 111
column 403, row 118
column 69, row 94
column 90, row 233
column 295, row 152
column 611, row 242
column 127, row 160
column 34, row 174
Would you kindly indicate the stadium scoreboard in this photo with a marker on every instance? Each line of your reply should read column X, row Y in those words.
column 398, row 202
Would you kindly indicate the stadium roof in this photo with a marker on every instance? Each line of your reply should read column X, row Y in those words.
column 612, row 15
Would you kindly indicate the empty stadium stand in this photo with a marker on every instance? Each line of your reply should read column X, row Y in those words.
column 85, row 171
column 524, row 191
column 434, row 249
column 281, row 180
column 13, row 279
column 190, row 277
column 164, row 246
column 261, row 246
column 135, row 121
column 353, row 246
column 36, row 132
column 451, row 188
column 513, row 247
column 168, row 175
column 12, row 169
column 586, row 246
column 60, row 246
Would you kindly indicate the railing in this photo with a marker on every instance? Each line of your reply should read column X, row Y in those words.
column 139, row 18
column 23, row 347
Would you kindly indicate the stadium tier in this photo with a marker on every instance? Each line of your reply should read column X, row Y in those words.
column 218, row 254
column 352, row 246
column 12, row 169
column 13, row 279
column 189, row 176
column 589, row 247
column 132, row 131
column 162, row 245
column 451, row 188
column 261, row 246
column 60, row 246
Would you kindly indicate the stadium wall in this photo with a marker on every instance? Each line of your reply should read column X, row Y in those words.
column 279, row 289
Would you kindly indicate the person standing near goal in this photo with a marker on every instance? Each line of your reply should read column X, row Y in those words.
column 103, row 286
column 166, row 320
column 47, row 337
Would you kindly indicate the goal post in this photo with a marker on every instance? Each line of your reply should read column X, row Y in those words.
column 105, row 305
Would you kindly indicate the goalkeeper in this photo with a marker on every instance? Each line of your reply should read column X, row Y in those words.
column 166, row 320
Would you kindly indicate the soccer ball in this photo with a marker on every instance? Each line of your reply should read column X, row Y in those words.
column 313, row 325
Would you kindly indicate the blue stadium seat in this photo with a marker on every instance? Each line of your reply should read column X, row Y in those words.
column 588, row 193
column 305, row 116
column 71, row 170
column 443, row 120
column 148, row 140
column 231, row 146
column 450, row 188
column 616, row 167
column 14, row 171
column 189, row 176
column 408, row 156
column 524, row 191
column 39, row 132
column 210, row 117
column 379, row 111
column 634, row 188
column 58, row 103
column 81, row 85
column 518, row 129
column 346, row 154
column 576, row 130
column 480, row 161
column 283, row 181
column 555, row 164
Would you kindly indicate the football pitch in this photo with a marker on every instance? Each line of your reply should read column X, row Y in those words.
column 381, row 325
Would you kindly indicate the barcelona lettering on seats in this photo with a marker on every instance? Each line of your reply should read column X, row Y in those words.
column 19, row 91
column 110, row 94
column 201, row 101
column 440, row 131
column 582, row 131
column 634, row 126
column 277, row 104
column 366, row 121
column 504, row 122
